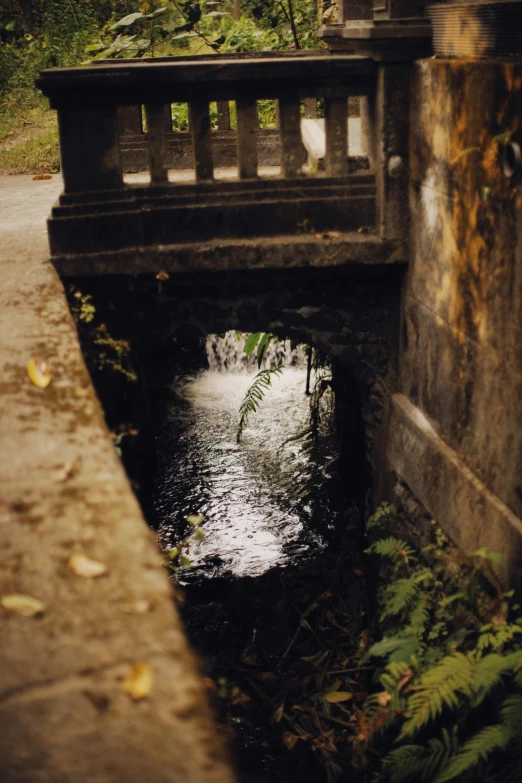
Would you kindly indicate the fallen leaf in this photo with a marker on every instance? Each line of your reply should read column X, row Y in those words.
column 138, row 681
column 162, row 275
column 84, row 566
column 38, row 372
column 335, row 696
column 290, row 739
column 195, row 519
column 65, row 472
column 404, row 680
column 22, row 604
column 138, row 607
column 384, row 698
column 278, row 714
column 380, row 719
column 240, row 699
column 328, row 235
column 42, row 176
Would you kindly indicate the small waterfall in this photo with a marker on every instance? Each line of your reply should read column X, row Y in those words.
column 226, row 354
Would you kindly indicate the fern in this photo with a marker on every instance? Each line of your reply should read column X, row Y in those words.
column 394, row 548
column 456, row 676
column 421, row 763
column 255, row 395
column 419, row 618
column 439, row 687
column 392, row 674
column 400, row 596
column 404, row 763
column 395, row 648
column 490, row 671
column 380, row 518
column 486, row 741
column 496, row 638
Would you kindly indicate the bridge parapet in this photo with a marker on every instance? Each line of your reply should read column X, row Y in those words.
column 101, row 213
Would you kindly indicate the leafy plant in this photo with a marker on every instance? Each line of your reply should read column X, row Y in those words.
column 254, row 396
column 451, row 708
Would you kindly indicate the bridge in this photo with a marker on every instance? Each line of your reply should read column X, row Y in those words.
column 104, row 223
column 430, row 219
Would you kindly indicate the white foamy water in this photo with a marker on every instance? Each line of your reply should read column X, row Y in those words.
column 252, row 494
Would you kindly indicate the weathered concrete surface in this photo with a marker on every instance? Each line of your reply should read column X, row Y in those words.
column 472, row 515
column 461, row 362
column 63, row 714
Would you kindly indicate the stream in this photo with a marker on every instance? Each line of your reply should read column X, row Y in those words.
column 254, row 495
column 267, row 511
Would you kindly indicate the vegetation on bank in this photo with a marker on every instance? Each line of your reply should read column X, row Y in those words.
column 390, row 659
column 38, row 34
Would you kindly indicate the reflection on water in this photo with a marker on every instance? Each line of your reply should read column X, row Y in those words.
column 253, row 495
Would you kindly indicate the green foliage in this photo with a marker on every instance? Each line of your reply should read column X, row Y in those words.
column 379, row 519
column 245, row 36
column 451, row 669
column 255, row 395
column 259, row 342
column 400, row 598
column 394, row 548
column 104, row 352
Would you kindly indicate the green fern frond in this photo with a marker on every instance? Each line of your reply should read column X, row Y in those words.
column 511, row 714
column 450, row 599
column 400, row 596
column 419, row 618
column 255, row 395
column 439, row 687
column 475, row 750
column 419, row 763
column 395, row 648
column 404, row 764
column 496, row 638
column 392, row 674
column 490, row 671
column 394, row 548
column 380, row 518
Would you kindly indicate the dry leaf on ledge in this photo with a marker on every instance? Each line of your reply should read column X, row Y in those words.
column 138, row 682
column 84, row 566
column 22, row 604
column 38, row 372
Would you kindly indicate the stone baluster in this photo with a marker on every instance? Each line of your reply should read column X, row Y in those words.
column 290, row 133
column 247, row 124
column 155, row 116
column 310, row 108
column 89, row 149
column 223, row 115
column 199, row 121
column 129, row 120
column 336, row 136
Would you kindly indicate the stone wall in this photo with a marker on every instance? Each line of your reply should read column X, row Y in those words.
column 351, row 315
column 65, row 712
column 455, row 435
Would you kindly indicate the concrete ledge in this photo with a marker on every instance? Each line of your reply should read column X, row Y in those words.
column 64, row 717
column 467, row 510
column 333, row 249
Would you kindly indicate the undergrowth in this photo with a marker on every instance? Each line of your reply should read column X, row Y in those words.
column 446, row 701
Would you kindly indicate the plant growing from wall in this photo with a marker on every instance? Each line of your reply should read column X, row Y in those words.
column 447, row 700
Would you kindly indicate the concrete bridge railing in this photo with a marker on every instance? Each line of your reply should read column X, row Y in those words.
column 100, row 213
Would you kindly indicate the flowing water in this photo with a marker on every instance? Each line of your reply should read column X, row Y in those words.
column 271, row 505
column 262, row 499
